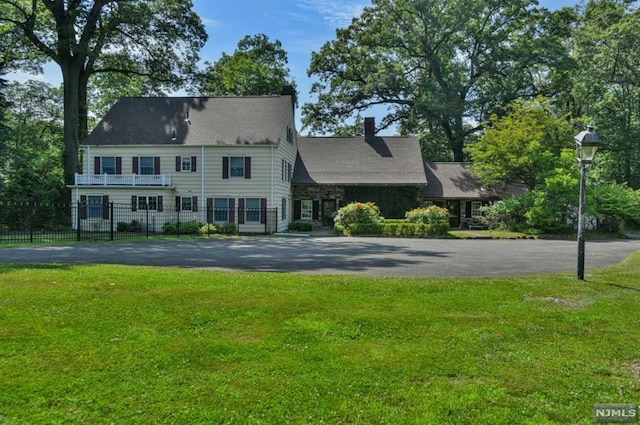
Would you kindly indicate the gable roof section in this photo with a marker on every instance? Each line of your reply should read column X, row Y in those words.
column 453, row 180
column 359, row 161
column 194, row 121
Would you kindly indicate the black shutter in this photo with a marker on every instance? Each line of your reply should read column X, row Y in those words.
column 194, row 162
column 209, row 210
column 263, row 210
column 225, row 167
column 134, row 203
column 178, row 203
column 316, row 210
column 156, row 165
column 105, row 207
column 241, row 211
column 160, row 206
column 83, row 207
column 118, row 165
column 178, row 163
column 97, row 166
column 194, row 203
column 247, row 167
column 134, row 168
column 297, row 210
column 232, row 210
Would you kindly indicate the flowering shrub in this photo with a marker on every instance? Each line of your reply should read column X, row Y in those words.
column 430, row 214
column 358, row 217
column 437, row 218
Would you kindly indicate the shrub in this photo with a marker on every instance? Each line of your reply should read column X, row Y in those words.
column 208, row 229
column 227, row 228
column 428, row 215
column 358, row 218
column 301, row 226
column 134, row 227
column 190, row 227
column 170, row 228
column 404, row 228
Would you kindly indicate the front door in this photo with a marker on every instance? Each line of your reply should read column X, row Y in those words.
column 454, row 213
column 328, row 209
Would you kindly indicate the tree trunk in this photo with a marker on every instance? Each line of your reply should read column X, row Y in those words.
column 71, row 80
column 83, row 107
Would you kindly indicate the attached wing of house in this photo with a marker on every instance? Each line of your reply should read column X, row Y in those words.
column 333, row 171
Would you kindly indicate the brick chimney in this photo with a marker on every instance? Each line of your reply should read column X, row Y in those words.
column 288, row 90
column 369, row 128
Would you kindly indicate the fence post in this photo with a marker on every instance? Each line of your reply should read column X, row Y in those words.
column 78, row 221
column 31, row 214
column 147, row 218
column 111, row 215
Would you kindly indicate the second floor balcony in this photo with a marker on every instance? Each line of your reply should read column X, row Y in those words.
column 122, row 180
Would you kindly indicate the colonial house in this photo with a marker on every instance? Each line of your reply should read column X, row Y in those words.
column 208, row 159
column 239, row 160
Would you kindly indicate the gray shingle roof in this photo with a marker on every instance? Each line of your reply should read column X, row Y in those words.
column 196, row 121
column 359, row 161
column 453, row 180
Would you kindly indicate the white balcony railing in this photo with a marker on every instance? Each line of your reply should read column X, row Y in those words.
column 122, row 180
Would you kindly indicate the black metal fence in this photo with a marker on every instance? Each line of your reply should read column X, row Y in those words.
column 29, row 222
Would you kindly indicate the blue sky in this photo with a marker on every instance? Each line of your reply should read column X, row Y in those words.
column 302, row 26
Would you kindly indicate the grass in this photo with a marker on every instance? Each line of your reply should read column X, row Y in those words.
column 120, row 344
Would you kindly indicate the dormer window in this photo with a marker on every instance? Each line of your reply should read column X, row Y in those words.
column 289, row 134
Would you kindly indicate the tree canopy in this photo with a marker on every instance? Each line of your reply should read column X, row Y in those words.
column 257, row 67
column 155, row 39
column 442, row 65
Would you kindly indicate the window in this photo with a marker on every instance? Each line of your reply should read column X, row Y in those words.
column 95, row 206
column 146, row 165
column 147, row 202
column 284, row 209
column 252, row 210
column 221, row 210
column 186, row 204
column 186, row 163
column 306, row 209
column 236, row 165
column 475, row 208
column 109, row 165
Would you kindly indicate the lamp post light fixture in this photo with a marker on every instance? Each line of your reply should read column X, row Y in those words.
column 587, row 143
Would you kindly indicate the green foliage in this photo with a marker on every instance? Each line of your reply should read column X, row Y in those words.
column 524, row 145
column 430, row 214
column 509, row 214
column 208, row 229
column 190, row 227
column 31, row 151
column 133, row 227
column 413, row 229
column 170, row 228
column 228, row 228
column 359, row 217
column 301, row 226
column 616, row 204
column 258, row 67
column 436, row 65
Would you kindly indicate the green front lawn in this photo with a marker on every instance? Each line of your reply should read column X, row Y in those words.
column 126, row 345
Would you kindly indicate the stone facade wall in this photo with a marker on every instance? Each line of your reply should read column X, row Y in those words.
column 317, row 192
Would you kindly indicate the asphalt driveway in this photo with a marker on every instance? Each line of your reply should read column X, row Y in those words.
column 341, row 255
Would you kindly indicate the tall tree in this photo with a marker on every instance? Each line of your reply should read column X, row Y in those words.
column 156, row 39
column 30, row 164
column 607, row 83
column 435, row 64
column 257, row 67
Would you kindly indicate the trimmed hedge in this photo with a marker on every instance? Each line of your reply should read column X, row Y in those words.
column 394, row 228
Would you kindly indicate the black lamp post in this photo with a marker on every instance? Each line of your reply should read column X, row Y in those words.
column 587, row 143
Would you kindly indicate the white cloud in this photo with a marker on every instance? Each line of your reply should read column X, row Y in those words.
column 338, row 13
